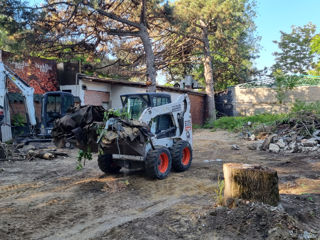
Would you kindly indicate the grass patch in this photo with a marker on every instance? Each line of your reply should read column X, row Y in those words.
column 299, row 111
column 196, row 126
column 219, row 192
column 303, row 107
column 237, row 123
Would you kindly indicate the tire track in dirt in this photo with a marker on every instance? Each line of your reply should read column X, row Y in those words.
column 95, row 227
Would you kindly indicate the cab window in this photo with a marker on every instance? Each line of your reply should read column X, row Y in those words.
column 135, row 106
column 158, row 101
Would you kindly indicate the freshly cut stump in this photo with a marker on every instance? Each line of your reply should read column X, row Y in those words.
column 250, row 182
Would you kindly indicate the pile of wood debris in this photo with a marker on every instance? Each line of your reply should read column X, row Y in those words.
column 93, row 127
column 20, row 152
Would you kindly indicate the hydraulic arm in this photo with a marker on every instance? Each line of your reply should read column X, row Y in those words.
column 26, row 90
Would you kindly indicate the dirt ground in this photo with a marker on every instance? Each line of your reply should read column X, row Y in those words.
column 52, row 200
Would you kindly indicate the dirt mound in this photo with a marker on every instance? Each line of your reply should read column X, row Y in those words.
column 258, row 221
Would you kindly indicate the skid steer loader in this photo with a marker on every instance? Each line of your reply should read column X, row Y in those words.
column 169, row 145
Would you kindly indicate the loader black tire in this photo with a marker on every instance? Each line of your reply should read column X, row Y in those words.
column 181, row 153
column 107, row 165
column 158, row 163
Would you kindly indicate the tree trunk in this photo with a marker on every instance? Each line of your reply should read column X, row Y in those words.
column 208, row 75
column 151, row 70
column 250, row 182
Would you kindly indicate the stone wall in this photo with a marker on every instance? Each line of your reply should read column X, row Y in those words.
column 250, row 101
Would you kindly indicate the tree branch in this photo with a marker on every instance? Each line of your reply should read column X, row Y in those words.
column 116, row 18
column 185, row 35
column 116, row 32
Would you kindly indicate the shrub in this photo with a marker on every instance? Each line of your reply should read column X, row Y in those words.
column 18, row 120
column 237, row 123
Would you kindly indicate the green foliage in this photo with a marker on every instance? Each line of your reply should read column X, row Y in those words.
column 284, row 83
column 237, row 123
column 232, row 40
column 16, row 21
column 196, row 126
column 315, row 44
column 111, row 113
column 18, row 120
column 82, row 157
column 306, row 108
column 299, row 111
column 295, row 54
column 315, row 48
column 219, row 192
column 168, row 84
column 308, row 81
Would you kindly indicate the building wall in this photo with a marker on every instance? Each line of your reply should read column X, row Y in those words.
column 74, row 89
column 198, row 109
column 96, row 98
column 98, row 93
column 91, row 86
column 249, row 101
column 197, row 101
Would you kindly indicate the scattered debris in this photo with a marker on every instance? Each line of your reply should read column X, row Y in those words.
column 274, row 148
column 300, row 134
column 252, row 137
column 213, row 160
column 235, row 147
column 18, row 152
column 267, row 141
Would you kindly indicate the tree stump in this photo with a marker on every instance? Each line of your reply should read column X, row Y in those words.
column 250, row 182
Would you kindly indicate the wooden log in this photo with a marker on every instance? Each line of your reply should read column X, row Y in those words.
column 250, row 182
column 40, row 154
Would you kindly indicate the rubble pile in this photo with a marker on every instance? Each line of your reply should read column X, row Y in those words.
column 89, row 127
column 301, row 134
column 116, row 128
column 78, row 126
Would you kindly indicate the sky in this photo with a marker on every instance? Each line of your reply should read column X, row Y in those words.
column 274, row 16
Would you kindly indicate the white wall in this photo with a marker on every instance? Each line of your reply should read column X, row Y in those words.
column 117, row 90
column 173, row 95
column 74, row 89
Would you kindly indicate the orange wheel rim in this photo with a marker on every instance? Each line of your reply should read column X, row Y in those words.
column 186, row 155
column 163, row 162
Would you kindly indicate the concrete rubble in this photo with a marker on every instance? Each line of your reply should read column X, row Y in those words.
column 291, row 143
column 299, row 134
